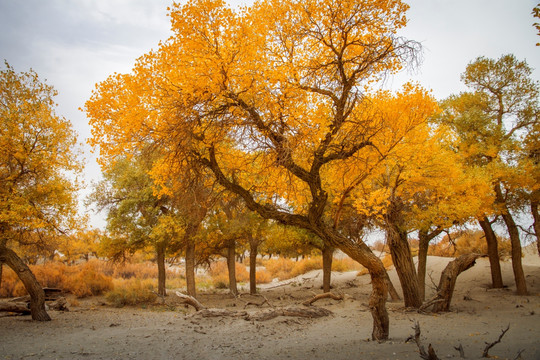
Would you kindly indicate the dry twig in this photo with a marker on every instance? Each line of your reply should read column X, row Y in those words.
column 322, row 296
column 490, row 345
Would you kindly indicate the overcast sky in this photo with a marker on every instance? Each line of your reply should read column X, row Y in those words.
column 76, row 43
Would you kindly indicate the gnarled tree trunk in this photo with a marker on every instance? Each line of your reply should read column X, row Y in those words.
column 327, row 257
column 448, row 280
column 231, row 266
column 32, row 286
column 402, row 259
column 493, row 253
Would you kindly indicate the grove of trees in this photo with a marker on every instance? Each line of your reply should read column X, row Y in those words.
column 245, row 121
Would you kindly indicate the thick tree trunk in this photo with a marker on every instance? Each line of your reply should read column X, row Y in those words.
column 402, row 259
column 34, row 289
column 536, row 223
column 493, row 253
column 160, row 252
column 448, row 280
column 190, row 268
column 253, row 267
column 424, row 237
column 231, row 265
column 327, row 256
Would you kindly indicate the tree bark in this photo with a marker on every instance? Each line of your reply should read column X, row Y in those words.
column 160, row 255
column 448, row 280
column 231, row 266
column 403, row 262
column 327, row 257
column 536, row 223
column 190, row 268
column 1, row 271
column 253, row 245
column 493, row 253
column 34, row 289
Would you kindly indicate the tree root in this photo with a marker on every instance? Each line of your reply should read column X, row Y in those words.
column 430, row 354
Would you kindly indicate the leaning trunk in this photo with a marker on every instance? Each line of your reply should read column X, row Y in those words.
column 377, row 301
column 231, row 265
column 160, row 252
column 190, row 268
column 32, row 286
column 448, row 280
column 493, row 253
column 403, row 262
column 252, row 267
column 327, row 256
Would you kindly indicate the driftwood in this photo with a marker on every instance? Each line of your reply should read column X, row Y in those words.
column 15, row 307
column 190, row 300
column 430, row 354
column 311, row 312
column 21, row 305
column 322, row 296
column 248, row 303
column 447, row 282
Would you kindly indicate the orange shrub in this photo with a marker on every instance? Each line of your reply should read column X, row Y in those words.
column 131, row 292
column 345, row 264
column 220, row 274
column 263, row 277
column 279, row 268
column 466, row 243
column 89, row 282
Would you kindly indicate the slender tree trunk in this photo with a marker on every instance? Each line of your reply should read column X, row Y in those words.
column 391, row 289
column 519, row 275
column 327, row 256
column 1, row 270
column 32, row 286
column 402, row 259
column 160, row 252
column 493, row 253
column 190, row 268
column 423, row 246
column 536, row 223
column 424, row 237
column 253, row 245
column 231, row 265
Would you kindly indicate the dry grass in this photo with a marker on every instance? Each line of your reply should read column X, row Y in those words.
column 466, row 243
column 219, row 274
column 131, row 292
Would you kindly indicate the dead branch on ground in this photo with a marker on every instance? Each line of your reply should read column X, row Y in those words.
column 490, row 345
column 430, row 354
column 322, row 296
column 461, row 351
column 311, row 312
column 190, row 300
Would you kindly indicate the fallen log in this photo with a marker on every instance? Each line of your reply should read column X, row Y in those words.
column 311, row 312
column 190, row 300
column 15, row 307
column 327, row 295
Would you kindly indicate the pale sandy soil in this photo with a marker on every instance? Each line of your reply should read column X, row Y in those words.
column 96, row 331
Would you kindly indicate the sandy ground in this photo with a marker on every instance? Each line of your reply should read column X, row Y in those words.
column 94, row 330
